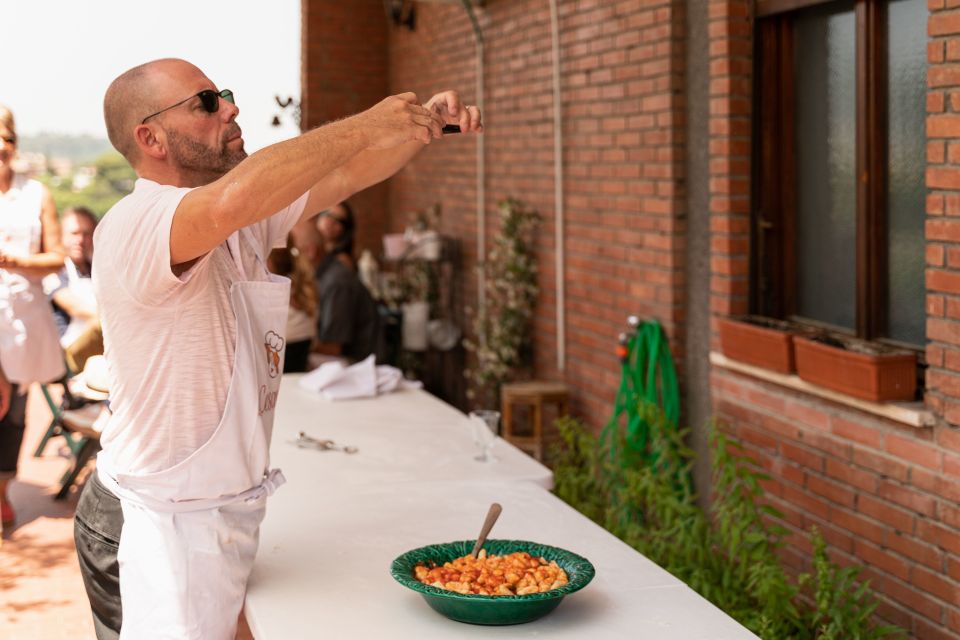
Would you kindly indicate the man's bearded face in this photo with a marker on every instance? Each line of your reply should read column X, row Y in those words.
column 196, row 158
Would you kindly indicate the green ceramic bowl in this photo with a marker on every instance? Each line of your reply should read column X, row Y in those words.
column 492, row 610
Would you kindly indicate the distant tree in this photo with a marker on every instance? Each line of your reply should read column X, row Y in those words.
column 114, row 179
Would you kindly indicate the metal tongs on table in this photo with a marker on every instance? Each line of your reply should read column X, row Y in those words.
column 304, row 441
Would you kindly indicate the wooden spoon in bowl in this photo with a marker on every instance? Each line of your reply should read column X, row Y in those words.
column 492, row 516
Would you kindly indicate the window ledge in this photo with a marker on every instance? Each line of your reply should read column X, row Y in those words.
column 914, row 414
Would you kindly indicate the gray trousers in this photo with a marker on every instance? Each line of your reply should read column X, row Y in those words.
column 96, row 531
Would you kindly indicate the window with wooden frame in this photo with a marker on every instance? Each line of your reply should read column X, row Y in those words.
column 839, row 162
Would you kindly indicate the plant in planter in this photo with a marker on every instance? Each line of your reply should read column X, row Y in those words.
column 762, row 342
column 856, row 368
column 502, row 333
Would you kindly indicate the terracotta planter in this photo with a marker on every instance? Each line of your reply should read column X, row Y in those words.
column 850, row 368
column 758, row 341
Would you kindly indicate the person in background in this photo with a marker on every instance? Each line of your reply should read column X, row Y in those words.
column 349, row 324
column 71, row 290
column 29, row 250
column 4, row 406
column 306, row 238
column 302, row 317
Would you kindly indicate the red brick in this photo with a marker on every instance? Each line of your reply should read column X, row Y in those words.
column 947, row 539
column 833, row 491
column 877, row 557
column 919, row 551
column 885, row 465
column 943, row 331
column 793, row 474
column 943, row 75
column 951, row 465
column 858, row 525
column 908, row 498
column 930, row 631
column 807, row 415
column 934, row 255
column 935, row 51
column 938, row 280
column 936, row 306
column 913, row 451
column 803, row 499
column 942, row 126
column 757, row 438
column 886, row 513
column 910, row 597
column 849, row 475
column 942, row 24
column 805, row 458
column 935, row 204
column 944, row 177
column 936, row 585
column 948, row 438
column 858, row 432
column 950, row 515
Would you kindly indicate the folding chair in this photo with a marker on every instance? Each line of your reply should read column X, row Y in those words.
column 84, row 441
column 73, row 419
column 55, row 428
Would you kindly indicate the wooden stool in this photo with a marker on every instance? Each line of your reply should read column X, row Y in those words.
column 534, row 394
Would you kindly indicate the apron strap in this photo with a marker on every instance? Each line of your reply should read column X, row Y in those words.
column 272, row 480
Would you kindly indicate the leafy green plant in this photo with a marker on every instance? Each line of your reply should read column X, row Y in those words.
column 729, row 553
column 503, row 331
column 843, row 605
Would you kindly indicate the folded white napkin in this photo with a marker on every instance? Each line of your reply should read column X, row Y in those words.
column 365, row 379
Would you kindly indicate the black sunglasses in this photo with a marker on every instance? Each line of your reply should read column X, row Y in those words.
column 209, row 99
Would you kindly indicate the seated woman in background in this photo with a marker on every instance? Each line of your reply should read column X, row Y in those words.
column 348, row 324
column 301, row 320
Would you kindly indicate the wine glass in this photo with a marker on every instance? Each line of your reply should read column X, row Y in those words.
column 485, row 425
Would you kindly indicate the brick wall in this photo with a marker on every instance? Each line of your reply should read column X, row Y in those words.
column 883, row 494
column 344, row 46
column 623, row 135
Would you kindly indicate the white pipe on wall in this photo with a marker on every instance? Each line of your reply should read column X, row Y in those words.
column 558, row 190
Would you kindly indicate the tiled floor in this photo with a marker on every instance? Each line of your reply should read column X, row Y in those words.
column 41, row 593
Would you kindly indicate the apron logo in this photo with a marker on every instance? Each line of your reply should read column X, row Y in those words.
column 274, row 345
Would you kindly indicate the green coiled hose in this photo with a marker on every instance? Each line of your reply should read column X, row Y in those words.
column 648, row 391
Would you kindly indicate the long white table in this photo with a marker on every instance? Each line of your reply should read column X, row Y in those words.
column 407, row 436
column 330, row 534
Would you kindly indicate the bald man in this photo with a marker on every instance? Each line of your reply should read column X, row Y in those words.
column 193, row 328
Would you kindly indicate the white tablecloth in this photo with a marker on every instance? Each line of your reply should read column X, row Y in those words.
column 333, row 529
column 405, row 436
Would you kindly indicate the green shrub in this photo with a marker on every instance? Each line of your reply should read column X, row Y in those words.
column 728, row 554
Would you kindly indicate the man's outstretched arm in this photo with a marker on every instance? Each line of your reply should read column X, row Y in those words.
column 274, row 177
column 372, row 166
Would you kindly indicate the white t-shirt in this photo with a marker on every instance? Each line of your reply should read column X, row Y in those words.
column 169, row 341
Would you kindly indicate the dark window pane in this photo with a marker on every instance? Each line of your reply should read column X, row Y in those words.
column 825, row 103
column 907, row 90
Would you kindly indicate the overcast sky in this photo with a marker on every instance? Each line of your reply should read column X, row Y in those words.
column 60, row 55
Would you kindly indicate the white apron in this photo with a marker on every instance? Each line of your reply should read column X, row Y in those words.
column 190, row 532
column 30, row 351
column 81, row 287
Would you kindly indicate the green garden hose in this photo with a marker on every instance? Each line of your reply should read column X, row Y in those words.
column 648, row 391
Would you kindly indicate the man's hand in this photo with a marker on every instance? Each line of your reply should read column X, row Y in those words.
column 4, row 395
column 10, row 262
column 399, row 119
column 452, row 110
